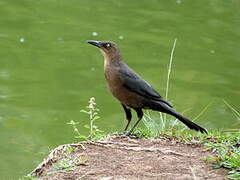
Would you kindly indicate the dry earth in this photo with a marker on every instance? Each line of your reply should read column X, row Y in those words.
column 120, row 157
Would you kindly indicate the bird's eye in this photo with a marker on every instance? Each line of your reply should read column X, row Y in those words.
column 108, row 45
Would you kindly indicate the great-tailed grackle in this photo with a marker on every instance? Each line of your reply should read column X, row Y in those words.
column 131, row 90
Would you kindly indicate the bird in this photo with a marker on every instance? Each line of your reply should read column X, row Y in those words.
column 131, row 90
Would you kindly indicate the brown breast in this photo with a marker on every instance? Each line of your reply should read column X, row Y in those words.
column 116, row 87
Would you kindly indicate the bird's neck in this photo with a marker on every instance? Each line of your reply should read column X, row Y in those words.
column 113, row 60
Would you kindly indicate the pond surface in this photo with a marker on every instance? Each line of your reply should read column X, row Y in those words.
column 48, row 72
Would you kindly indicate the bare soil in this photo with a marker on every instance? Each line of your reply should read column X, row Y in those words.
column 121, row 157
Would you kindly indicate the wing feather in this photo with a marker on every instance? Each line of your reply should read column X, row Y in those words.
column 135, row 83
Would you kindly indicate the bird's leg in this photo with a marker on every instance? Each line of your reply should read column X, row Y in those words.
column 128, row 115
column 140, row 115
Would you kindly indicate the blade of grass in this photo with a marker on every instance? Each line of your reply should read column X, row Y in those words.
column 170, row 68
column 169, row 71
column 204, row 109
column 237, row 114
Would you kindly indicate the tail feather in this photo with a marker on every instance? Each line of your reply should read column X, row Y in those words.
column 166, row 109
column 188, row 122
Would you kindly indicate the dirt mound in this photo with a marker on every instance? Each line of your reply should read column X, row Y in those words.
column 120, row 157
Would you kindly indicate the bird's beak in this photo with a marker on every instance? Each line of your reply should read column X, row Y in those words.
column 95, row 43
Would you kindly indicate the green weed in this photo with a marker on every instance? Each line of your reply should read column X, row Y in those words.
column 94, row 131
column 63, row 165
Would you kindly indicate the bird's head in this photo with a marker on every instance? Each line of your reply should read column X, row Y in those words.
column 109, row 49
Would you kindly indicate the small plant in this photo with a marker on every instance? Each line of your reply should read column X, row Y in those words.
column 68, row 164
column 63, row 166
column 76, row 131
column 69, row 149
column 227, row 152
column 93, row 116
column 94, row 132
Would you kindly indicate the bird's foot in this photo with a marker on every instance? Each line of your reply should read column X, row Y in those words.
column 124, row 134
column 129, row 134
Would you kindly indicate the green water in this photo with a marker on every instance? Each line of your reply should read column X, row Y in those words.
column 48, row 73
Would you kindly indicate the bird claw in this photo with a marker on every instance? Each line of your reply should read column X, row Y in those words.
column 125, row 134
column 129, row 134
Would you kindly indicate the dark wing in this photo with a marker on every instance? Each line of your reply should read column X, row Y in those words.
column 135, row 83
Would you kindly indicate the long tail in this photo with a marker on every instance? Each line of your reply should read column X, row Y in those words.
column 166, row 109
column 188, row 122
